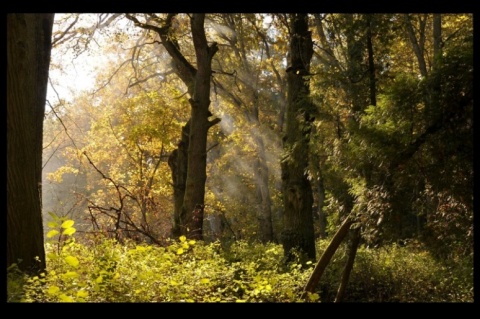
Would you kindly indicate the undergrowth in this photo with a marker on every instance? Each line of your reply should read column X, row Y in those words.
column 193, row 271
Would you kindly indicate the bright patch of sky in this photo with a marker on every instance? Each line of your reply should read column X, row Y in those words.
column 70, row 74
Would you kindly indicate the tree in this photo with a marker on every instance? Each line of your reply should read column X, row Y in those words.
column 297, row 191
column 28, row 59
column 133, row 114
column 197, row 80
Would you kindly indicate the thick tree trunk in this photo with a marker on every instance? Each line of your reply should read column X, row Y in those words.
column 28, row 60
column 297, row 191
column 191, row 216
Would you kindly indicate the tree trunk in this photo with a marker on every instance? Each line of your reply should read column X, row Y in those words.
column 297, row 191
column 190, row 170
column 352, row 252
column 264, row 214
column 178, row 165
column 28, row 61
column 191, row 216
column 418, row 45
column 320, row 203
column 371, row 62
column 437, row 35
column 327, row 256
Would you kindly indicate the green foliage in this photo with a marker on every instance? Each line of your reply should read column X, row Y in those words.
column 190, row 271
column 396, row 273
column 61, row 231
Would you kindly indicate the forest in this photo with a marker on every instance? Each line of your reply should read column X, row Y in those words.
column 240, row 157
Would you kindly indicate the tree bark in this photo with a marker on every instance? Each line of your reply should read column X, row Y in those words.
column 28, row 61
column 297, row 191
column 199, row 124
column 177, row 161
column 371, row 62
column 437, row 35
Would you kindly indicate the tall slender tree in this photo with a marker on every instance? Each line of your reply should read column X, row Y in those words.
column 28, row 60
column 297, row 191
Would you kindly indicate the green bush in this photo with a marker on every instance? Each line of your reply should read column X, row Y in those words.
column 398, row 274
column 190, row 271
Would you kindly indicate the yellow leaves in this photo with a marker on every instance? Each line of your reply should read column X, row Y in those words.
column 204, row 281
column 68, row 223
column 57, row 176
column 71, row 274
column 52, row 256
column 99, row 279
column 184, row 245
column 69, row 231
column 52, row 224
column 65, row 298
column 273, row 251
column 53, row 290
column 72, row 261
column 52, row 233
column 313, row 297
column 82, row 294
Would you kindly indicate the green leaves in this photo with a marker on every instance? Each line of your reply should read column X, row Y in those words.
column 66, row 226
column 72, row 261
column 246, row 272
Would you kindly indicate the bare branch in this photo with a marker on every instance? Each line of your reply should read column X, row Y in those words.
column 149, row 77
column 59, row 37
column 111, row 77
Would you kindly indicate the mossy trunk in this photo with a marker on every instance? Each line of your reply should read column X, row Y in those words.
column 297, row 191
